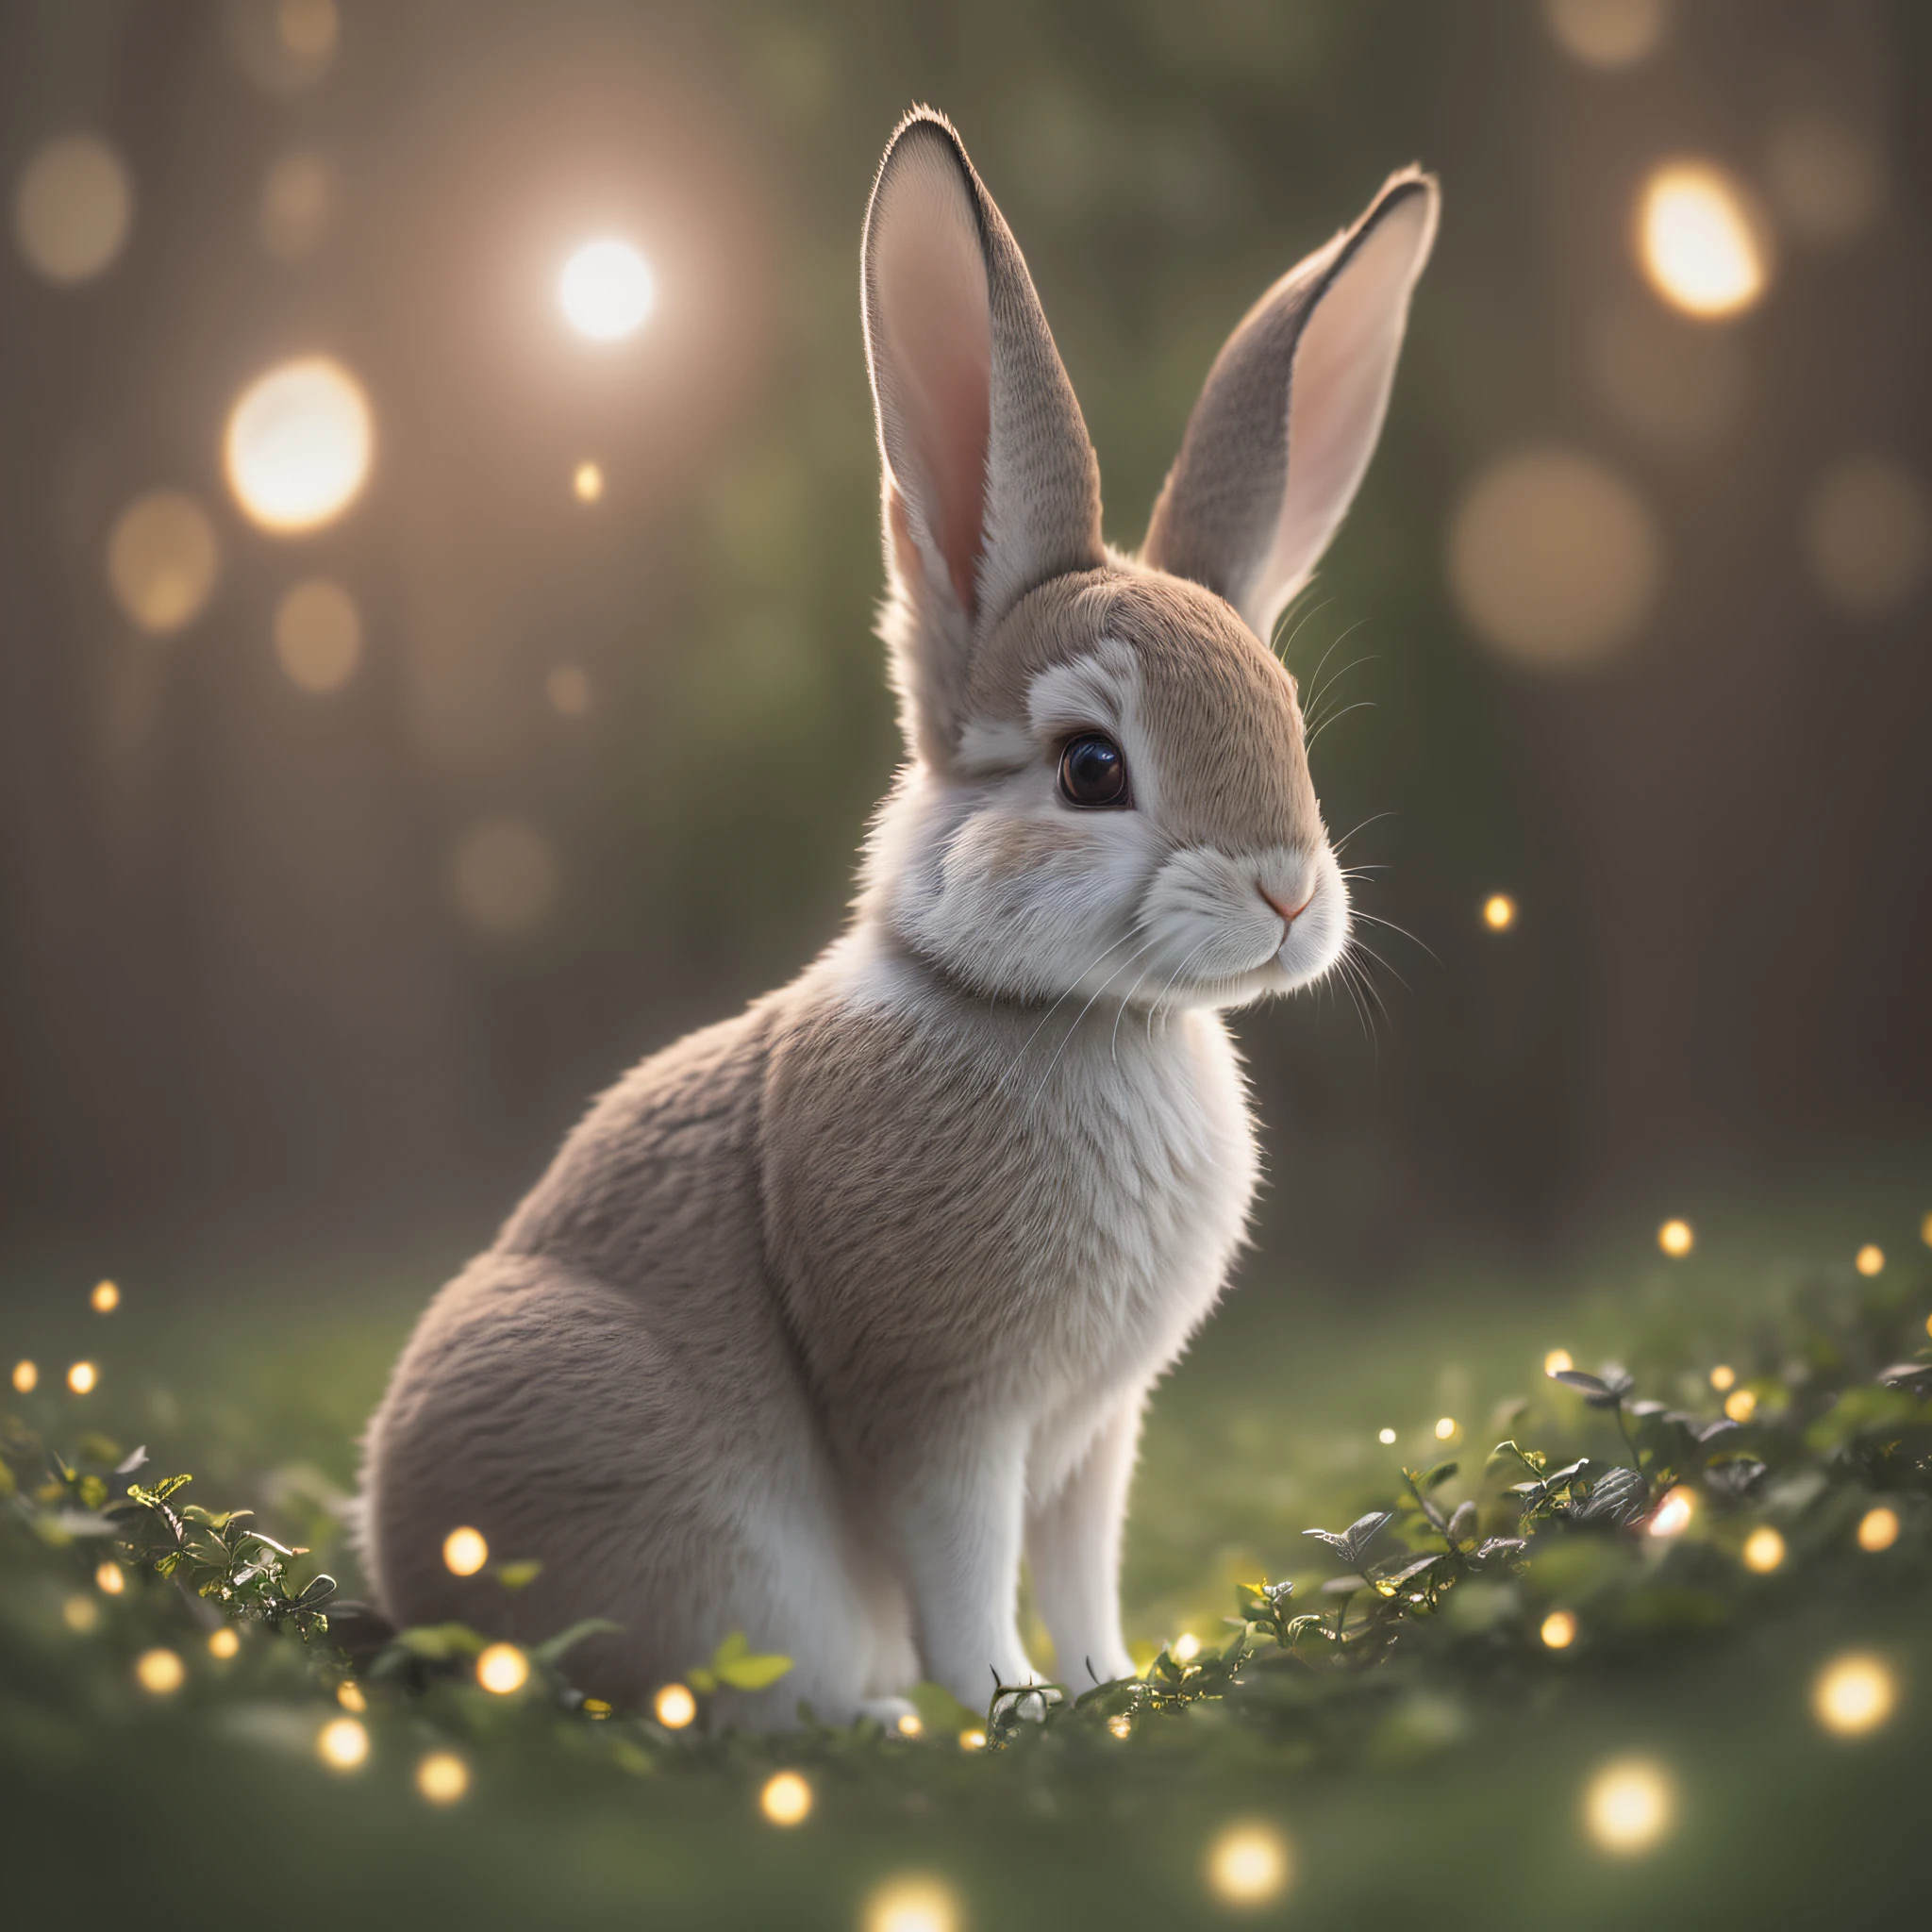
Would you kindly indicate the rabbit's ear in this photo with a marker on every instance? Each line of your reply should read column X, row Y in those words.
column 1285, row 426
column 991, row 483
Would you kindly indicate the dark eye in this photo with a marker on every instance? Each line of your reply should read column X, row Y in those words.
column 1093, row 775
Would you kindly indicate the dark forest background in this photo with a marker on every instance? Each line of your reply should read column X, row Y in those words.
column 301, row 982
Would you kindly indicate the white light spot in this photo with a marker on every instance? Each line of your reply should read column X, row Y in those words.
column 607, row 290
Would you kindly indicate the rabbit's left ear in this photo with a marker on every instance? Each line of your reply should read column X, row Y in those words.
column 1284, row 429
column 991, row 483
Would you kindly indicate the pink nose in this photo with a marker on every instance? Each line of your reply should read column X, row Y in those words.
column 1288, row 914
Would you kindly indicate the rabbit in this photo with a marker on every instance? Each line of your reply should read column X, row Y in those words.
column 827, row 1316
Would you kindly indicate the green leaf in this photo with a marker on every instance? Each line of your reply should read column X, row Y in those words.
column 516, row 1575
column 751, row 1672
column 551, row 1651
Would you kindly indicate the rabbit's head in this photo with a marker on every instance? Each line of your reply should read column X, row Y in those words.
column 1107, row 790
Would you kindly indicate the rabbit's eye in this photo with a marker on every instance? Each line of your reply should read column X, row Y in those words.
column 1093, row 775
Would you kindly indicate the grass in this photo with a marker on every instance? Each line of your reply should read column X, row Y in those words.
column 1432, row 1763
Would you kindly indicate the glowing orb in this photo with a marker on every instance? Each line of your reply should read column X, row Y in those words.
column 82, row 1378
column 1559, row 1629
column 1764, row 1550
column 1701, row 242
column 503, row 1669
column 1677, row 1239
column 342, row 1744
column 1629, row 1804
column 299, row 444
column 914, row 1903
column 676, row 1707
column 607, row 290
column 1854, row 1695
column 786, row 1798
column 225, row 1643
column 159, row 1673
column 1248, row 1865
column 1879, row 1530
column 441, row 1777
column 73, row 209
column 162, row 560
column 464, row 1552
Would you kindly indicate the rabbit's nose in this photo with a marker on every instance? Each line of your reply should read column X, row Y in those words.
column 1288, row 914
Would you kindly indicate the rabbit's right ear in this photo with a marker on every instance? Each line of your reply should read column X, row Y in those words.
column 990, row 481
column 1285, row 426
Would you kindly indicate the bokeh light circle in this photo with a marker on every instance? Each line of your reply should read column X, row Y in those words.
column 1703, row 240
column 1248, row 1865
column 297, row 203
column 607, row 290
column 1855, row 1693
column 1608, row 34
column 441, row 1777
column 504, row 875
column 1553, row 558
column 914, row 1903
column 73, row 209
column 318, row 634
column 162, row 561
column 1628, row 1806
column 1868, row 535
column 299, row 444
column 1826, row 178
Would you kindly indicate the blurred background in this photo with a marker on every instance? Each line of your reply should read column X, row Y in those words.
column 437, row 551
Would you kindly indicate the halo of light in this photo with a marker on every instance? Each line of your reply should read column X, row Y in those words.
column 588, row 482
column 1724, row 1378
column 162, row 561
column 1868, row 535
column 1559, row 1361
column 1855, row 1693
column 504, row 875
column 224, row 1643
column 909, row 1725
column 110, row 1579
column 1879, row 1530
column 973, row 1740
column 104, row 1298
column 786, row 1798
column 503, row 1669
column 1120, row 1725
column 1499, row 912
column 1764, row 1550
column 1676, row 1238
column 299, row 443
column 568, row 688
column 1249, row 1864
column 1672, row 1517
column 1608, row 34
column 1629, row 1806
column 1703, row 240
column 1826, row 178
column 1870, row 1259
column 349, row 1695
column 343, row 1743
column 1385, row 1436
column 27, row 1376
column 1559, row 1629
column 912, row 1902
column 1186, row 1648
column 83, row 1378
column 80, row 1614
column 441, row 1777
column 159, row 1673
column 607, row 290
column 464, row 1552
column 675, row 1706
column 1446, row 1428
column 72, row 207
column 1740, row 1404
column 1553, row 558
column 296, row 203
column 318, row 635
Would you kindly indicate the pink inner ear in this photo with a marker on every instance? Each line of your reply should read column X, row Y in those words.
column 938, row 329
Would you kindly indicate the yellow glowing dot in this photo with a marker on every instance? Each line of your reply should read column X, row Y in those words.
column 786, row 1798
column 607, row 290
column 73, row 209
column 341, row 1743
column 1871, row 1259
column 110, row 1579
column 1677, row 1239
column 1672, row 1517
column 27, row 1376
column 441, row 1777
column 1499, row 912
column 912, row 1902
column 1627, row 1805
column 1879, row 1530
column 1740, row 1404
column 318, row 635
column 225, row 1643
column 1248, row 1865
column 1557, row 1362
column 568, row 688
column 464, row 1552
column 1701, row 239
column 1120, row 1725
column 160, row 1672
column 1385, row 1436
column 676, row 1707
column 349, row 1695
column 503, row 1668
column 588, row 482
column 973, row 1740
column 1559, row 1629
column 162, row 561
column 909, row 1725
column 1186, row 1647
column 106, row 1298
column 80, row 1614
column 1446, row 1428
column 82, row 1378
column 1853, row 1693
column 298, row 445
column 1764, row 1550
column 1724, row 1378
